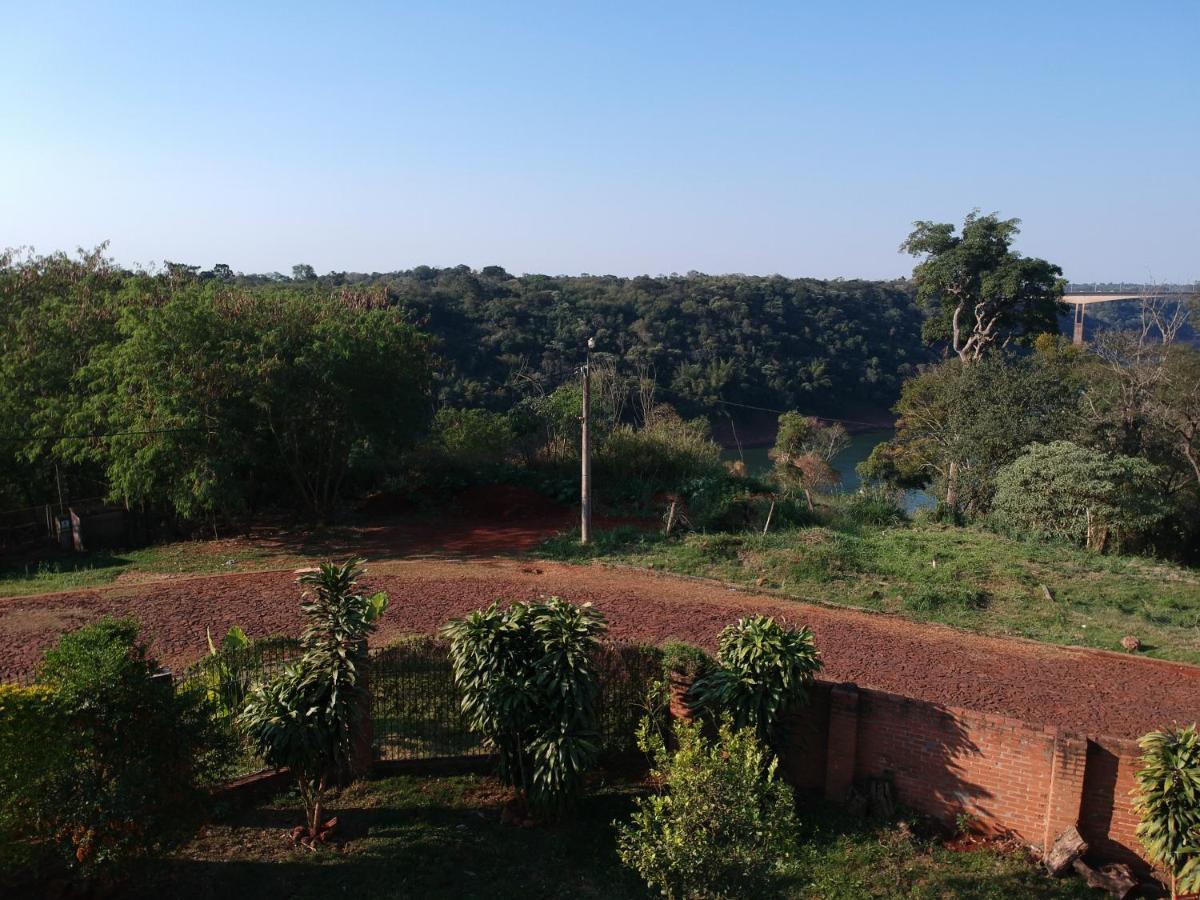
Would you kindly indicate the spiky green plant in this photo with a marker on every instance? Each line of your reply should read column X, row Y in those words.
column 763, row 672
column 304, row 718
column 1168, row 801
column 529, row 687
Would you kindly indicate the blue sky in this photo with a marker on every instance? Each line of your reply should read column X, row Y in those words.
column 799, row 138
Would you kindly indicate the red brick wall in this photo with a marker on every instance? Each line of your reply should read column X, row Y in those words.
column 1011, row 776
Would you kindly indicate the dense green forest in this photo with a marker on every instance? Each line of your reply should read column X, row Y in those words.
column 774, row 341
column 201, row 397
column 210, row 393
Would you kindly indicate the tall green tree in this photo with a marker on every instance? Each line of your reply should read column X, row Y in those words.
column 982, row 294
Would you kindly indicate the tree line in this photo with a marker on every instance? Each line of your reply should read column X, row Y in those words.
column 209, row 393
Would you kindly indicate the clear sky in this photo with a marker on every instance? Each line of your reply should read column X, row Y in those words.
column 801, row 138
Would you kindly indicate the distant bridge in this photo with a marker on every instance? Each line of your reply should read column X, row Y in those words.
column 1081, row 297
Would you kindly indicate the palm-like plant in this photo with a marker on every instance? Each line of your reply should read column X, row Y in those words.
column 529, row 687
column 304, row 718
column 1168, row 800
column 763, row 672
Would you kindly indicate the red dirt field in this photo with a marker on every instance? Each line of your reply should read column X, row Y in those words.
column 1076, row 689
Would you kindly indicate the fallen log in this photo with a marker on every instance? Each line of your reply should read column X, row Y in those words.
column 1065, row 850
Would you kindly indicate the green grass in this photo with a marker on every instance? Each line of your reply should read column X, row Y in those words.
column 981, row 581
column 443, row 837
column 95, row 569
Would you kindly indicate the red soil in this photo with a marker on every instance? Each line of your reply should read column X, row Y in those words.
column 1080, row 690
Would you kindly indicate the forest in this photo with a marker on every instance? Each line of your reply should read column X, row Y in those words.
column 191, row 389
column 205, row 397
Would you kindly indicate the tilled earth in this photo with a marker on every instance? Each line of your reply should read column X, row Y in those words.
column 1080, row 690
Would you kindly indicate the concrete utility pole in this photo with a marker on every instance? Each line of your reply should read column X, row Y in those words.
column 585, row 482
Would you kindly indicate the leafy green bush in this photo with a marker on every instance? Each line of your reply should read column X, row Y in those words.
column 1168, row 802
column 103, row 761
column 472, row 439
column 685, row 660
column 305, row 717
column 874, row 506
column 529, row 687
column 1064, row 491
column 637, row 463
column 763, row 672
column 32, row 722
column 723, row 823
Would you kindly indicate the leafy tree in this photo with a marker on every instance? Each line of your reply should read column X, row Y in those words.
column 763, row 672
column 1168, row 801
column 804, row 448
column 306, row 717
column 959, row 424
column 981, row 293
column 1065, row 491
column 722, row 824
column 529, row 687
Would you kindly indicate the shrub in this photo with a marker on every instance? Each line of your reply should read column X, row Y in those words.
column 763, row 672
column 529, row 688
column 662, row 455
column 1168, row 801
column 123, row 758
column 685, row 659
column 305, row 717
column 32, row 723
column 1064, row 491
column 472, row 439
column 874, row 506
column 723, row 822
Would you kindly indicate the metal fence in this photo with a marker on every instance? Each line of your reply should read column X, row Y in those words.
column 226, row 679
column 416, row 706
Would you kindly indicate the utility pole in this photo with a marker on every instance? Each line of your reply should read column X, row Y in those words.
column 585, row 482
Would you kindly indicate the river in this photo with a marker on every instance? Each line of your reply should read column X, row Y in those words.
column 861, row 445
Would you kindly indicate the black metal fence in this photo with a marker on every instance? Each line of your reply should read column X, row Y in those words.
column 226, row 679
column 415, row 704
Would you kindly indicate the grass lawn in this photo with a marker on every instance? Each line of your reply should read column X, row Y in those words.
column 443, row 837
column 96, row 569
column 966, row 577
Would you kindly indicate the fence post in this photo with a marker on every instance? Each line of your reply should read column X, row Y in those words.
column 362, row 752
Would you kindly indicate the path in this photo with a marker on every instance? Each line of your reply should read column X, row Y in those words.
column 1081, row 690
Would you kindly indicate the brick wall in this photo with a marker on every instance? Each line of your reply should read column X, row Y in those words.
column 1009, row 775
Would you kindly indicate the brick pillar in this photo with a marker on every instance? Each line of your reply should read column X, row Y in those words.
column 1068, row 766
column 843, row 741
column 362, row 751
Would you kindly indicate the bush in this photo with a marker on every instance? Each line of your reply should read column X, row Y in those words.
column 32, row 723
column 721, row 826
column 472, row 439
column 529, row 688
column 1064, row 491
column 763, row 672
column 122, row 759
column 635, row 464
column 1169, row 805
column 685, row 660
column 874, row 506
column 305, row 717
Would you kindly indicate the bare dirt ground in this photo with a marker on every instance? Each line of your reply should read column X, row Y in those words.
column 1076, row 689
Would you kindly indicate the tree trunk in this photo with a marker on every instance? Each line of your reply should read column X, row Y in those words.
column 952, row 490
